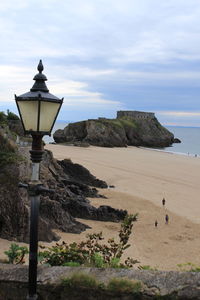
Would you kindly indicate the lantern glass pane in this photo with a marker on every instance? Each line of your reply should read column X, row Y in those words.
column 29, row 114
column 48, row 113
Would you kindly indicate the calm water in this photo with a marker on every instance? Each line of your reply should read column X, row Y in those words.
column 190, row 140
column 189, row 136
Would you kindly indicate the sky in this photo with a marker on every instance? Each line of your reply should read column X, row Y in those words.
column 105, row 55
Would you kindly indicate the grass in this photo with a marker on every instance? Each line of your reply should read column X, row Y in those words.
column 128, row 122
column 115, row 285
column 81, row 280
column 123, row 285
column 189, row 267
column 147, row 267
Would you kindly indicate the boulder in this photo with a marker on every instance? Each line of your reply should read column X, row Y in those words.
column 176, row 140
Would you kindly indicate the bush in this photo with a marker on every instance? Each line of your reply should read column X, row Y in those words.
column 16, row 254
column 93, row 252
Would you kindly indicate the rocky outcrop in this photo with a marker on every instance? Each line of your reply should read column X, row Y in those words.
column 80, row 174
column 116, row 133
column 72, row 185
column 16, row 127
column 176, row 140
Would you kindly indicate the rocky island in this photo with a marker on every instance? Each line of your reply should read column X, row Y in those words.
column 130, row 128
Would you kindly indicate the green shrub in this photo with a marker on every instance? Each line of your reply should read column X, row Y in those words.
column 92, row 252
column 97, row 261
column 122, row 285
column 115, row 262
column 16, row 254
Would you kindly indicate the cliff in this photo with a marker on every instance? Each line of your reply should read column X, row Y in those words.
column 71, row 182
column 125, row 130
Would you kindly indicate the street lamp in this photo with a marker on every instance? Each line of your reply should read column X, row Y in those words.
column 38, row 110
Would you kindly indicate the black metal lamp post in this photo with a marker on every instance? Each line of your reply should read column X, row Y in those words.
column 38, row 110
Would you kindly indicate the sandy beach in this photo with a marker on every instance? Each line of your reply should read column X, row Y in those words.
column 142, row 177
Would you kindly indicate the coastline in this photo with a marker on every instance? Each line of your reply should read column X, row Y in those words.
column 171, row 152
column 141, row 179
column 143, row 173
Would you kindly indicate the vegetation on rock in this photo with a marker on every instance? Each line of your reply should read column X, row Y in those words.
column 115, row 285
column 123, row 285
column 118, row 132
column 189, row 267
column 81, row 280
column 8, row 149
column 4, row 118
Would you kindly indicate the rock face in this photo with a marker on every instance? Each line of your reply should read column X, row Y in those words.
column 118, row 132
column 16, row 126
column 72, row 184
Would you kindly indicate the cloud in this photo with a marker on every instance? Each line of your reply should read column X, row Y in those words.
column 74, row 92
column 179, row 114
column 131, row 54
column 78, row 93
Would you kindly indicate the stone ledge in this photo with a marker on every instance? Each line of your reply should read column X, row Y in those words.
column 179, row 285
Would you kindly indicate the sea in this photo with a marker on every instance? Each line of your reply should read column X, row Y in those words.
column 190, row 140
column 189, row 136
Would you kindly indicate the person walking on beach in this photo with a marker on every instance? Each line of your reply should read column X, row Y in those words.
column 166, row 219
column 163, row 202
column 156, row 223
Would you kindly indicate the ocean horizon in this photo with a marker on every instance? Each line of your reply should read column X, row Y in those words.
column 189, row 136
column 190, row 140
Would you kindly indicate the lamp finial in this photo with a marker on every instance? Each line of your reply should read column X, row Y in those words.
column 40, row 79
column 40, row 66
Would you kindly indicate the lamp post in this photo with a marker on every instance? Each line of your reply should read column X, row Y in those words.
column 38, row 110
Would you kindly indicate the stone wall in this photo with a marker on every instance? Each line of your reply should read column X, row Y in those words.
column 156, row 284
column 133, row 114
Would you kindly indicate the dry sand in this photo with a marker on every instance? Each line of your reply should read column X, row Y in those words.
column 142, row 178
